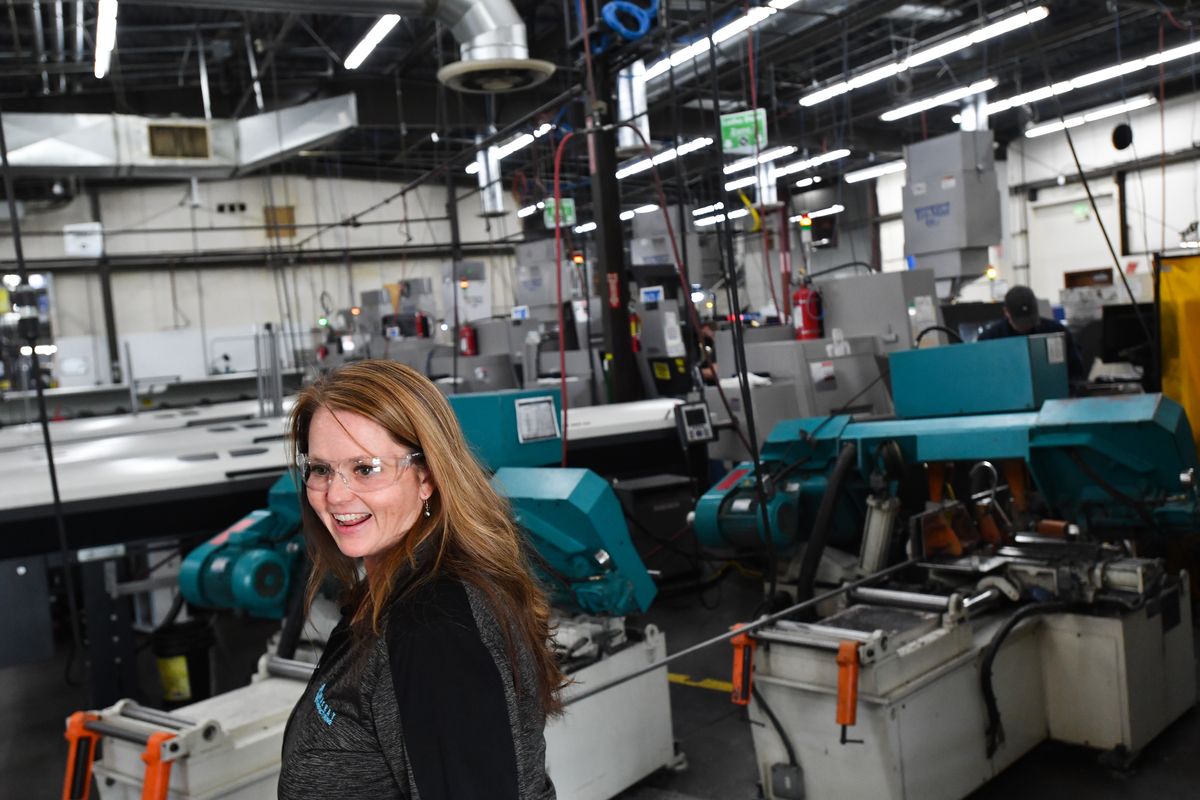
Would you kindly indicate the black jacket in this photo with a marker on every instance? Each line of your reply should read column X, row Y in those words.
column 428, row 710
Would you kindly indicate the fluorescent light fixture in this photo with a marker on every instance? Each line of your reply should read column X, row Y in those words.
column 804, row 183
column 713, row 220
column 472, row 168
column 527, row 211
column 763, row 158
column 542, row 130
column 874, row 172
column 741, row 183
column 836, row 208
column 647, row 209
column 513, row 145
column 643, row 164
column 434, row 137
column 942, row 99
column 106, row 35
column 369, row 42
column 739, row 213
column 698, row 297
column 815, row 161
column 738, row 26
column 1091, row 78
column 932, row 53
column 700, row 212
column 586, row 227
column 1074, row 121
column 626, row 216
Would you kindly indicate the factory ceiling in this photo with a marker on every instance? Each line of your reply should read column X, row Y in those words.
column 409, row 123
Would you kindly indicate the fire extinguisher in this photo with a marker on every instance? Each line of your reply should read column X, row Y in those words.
column 421, row 325
column 635, row 331
column 806, row 312
column 467, row 343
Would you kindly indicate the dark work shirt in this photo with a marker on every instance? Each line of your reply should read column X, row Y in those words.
column 1002, row 329
column 430, row 710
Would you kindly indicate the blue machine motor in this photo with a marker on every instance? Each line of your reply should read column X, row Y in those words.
column 250, row 565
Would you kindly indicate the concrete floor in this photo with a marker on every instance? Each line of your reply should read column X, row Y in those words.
column 713, row 733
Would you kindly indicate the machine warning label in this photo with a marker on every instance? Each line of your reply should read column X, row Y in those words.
column 933, row 215
column 1055, row 352
column 662, row 371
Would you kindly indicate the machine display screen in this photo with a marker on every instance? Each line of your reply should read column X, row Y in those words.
column 695, row 416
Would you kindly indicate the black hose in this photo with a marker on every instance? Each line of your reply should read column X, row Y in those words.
column 1138, row 507
column 806, row 583
column 942, row 328
column 293, row 625
column 787, row 744
column 847, row 265
column 995, row 731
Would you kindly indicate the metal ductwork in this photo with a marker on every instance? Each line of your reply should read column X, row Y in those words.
column 490, row 33
column 125, row 145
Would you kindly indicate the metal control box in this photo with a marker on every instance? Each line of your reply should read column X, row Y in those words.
column 951, row 203
column 1015, row 374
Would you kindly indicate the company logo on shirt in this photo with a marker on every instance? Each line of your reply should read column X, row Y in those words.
column 327, row 714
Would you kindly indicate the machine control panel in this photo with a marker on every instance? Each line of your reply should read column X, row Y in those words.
column 694, row 423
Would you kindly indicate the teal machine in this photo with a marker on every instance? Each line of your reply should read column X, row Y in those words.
column 571, row 517
column 1117, row 467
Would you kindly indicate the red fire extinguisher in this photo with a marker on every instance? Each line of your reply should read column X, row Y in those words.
column 806, row 312
column 467, row 343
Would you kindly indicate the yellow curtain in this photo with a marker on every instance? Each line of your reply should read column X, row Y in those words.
column 1179, row 301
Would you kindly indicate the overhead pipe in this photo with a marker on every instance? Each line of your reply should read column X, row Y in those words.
column 490, row 33
column 39, row 44
column 632, row 108
column 79, row 27
column 60, row 43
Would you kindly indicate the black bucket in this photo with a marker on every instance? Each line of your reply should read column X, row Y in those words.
column 182, row 651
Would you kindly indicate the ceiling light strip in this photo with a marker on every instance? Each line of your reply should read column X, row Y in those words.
column 942, row 99
column 933, row 53
column 369, row 42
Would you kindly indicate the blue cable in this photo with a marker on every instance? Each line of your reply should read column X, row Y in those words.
column 612, row 13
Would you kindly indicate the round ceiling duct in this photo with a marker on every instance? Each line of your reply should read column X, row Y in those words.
column 495, row 75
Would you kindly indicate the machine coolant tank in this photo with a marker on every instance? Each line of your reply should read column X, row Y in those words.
column 990, row 377
column 250, row 564
column 574, row 521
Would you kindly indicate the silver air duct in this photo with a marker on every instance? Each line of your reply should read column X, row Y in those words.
column 491, row 187
column 632, row 108
column 490, row 33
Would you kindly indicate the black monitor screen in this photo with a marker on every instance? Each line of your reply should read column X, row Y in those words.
column 968, row 319
column 1123, row 337
column 695, row 416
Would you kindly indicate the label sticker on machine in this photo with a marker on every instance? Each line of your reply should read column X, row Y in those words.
column 650, row 294
column 949, row 182
column 614, row 290
column 823, row 375
column 731, row 479
column 662, row 371
column 537, row 420
column 520, row 312
column 672, row 336
column 1055, row 352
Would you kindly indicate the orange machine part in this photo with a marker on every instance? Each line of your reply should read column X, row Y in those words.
column 937, row 482
column 1014, row 473
column 1053, row 528
column 157, row 781
column 77, row 735
column 847, row 696
column 743, row 667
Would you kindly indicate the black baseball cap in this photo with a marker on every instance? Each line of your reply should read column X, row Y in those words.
column 1022, row 307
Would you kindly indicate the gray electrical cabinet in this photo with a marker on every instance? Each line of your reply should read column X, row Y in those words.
column 951, row 204
column 895, row 306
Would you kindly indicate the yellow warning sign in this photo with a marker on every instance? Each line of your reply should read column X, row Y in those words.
column 662, row 371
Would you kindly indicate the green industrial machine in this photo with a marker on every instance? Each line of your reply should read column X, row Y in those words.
column 571, row 518
column 1116, row 467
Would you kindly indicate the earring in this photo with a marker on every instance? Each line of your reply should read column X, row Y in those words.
column 427, row 506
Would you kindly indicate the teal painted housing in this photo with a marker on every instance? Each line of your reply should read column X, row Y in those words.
column 575, row 522
column 1015, row 374
column 249, row 565
column 492, row 424
column 1111, row 465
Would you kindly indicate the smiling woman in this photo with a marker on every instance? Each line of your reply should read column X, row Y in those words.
column 444, row 632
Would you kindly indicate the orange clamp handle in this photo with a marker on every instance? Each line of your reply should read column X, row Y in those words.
column 743, row 667
column 81, row 752
column 847, row 697
column 157, row 781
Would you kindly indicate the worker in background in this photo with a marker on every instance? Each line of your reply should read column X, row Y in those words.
column 708, row 353
column 1021, row 318
column 438, row 681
